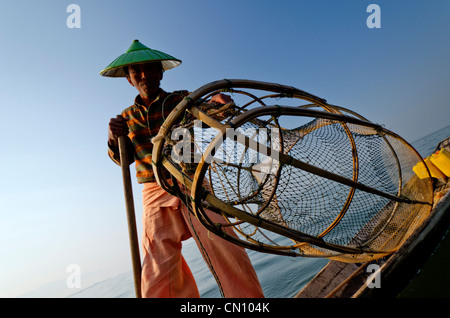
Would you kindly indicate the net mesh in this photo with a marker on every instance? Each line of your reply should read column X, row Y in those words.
column 295, row 182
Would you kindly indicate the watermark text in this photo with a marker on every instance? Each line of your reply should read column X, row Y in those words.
column 74, row 18
column 74, row 278
column 374, row 19
column 374, row 280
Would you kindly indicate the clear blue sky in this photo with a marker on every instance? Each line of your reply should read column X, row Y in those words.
column 61, row 199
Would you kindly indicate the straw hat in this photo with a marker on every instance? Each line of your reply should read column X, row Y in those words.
column 138, row 53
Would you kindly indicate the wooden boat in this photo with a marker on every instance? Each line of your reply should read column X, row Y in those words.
column 386, row 277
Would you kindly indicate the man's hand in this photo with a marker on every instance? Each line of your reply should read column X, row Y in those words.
column 117, row 127
column 221, row 99
column 222, row 106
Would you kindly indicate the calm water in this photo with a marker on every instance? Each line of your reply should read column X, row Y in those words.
column 282, row 276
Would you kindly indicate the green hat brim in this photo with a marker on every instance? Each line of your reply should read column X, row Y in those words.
column 139, row 54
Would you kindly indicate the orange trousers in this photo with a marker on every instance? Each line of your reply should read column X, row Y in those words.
column 165, row 273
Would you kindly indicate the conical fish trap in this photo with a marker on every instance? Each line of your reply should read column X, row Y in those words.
column 291, row 174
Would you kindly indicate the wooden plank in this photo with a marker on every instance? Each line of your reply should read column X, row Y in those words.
column 327, row 279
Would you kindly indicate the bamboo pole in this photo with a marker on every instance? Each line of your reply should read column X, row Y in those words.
column 131, row 219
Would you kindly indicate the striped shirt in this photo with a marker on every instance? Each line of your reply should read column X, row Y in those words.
column 144, row 124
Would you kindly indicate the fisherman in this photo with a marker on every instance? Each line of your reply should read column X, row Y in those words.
column 166, row 220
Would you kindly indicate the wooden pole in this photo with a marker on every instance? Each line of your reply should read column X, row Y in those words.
column 131, row 219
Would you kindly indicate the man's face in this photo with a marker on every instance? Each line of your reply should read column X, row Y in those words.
column 145, row 77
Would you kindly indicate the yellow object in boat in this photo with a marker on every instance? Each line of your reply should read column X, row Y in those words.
column 422, row 173
column 441, row 159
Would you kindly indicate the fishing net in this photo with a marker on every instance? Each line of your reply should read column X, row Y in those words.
column 291, row 174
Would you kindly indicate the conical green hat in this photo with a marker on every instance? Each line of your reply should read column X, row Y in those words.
column 138, row 53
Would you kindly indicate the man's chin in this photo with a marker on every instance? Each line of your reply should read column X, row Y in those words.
column 150, row 89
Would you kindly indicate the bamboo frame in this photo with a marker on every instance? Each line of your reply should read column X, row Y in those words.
column 195, row 184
